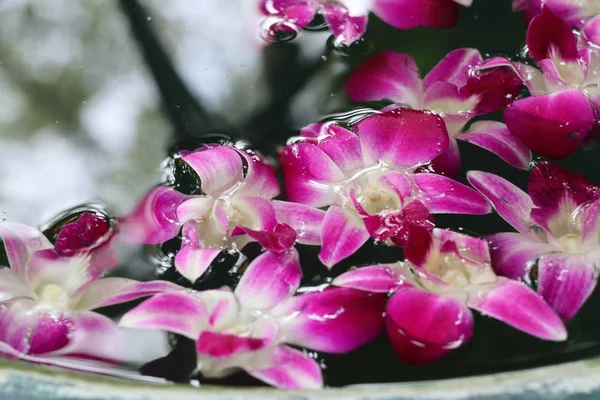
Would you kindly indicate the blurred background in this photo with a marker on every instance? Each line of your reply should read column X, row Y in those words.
column 93, row 93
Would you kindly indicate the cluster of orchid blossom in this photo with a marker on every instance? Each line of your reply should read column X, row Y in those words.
column 347, row 19
column 383, row 178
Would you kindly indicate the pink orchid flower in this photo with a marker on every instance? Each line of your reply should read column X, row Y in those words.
column 369, row 180
column 562, row 109
column 557, row 244
column 47, row 298
column 428, row 315
column 248, row 329
column 236, row 207
column 453, row 89
column 347, row 19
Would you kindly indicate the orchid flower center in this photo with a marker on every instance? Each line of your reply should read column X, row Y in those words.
column 54, row 295
column 365, row 188
column 451, row 269
column 571, row 72
column 570, row 243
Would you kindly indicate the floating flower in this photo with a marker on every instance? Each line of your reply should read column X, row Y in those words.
column 453, row 89
column 236, row 207
column 47, row 298
column 347, row 19
column 557, row 246
column 561, row 111
column 249, row 328
column 370, row 180
column 447, row 273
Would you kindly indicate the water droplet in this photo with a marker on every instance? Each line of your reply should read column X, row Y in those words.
column 275, row 29
column 148, row 18
column 359, row 47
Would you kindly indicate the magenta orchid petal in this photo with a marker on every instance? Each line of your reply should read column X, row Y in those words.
column 496, row 138
column 154, row 218
column 223, row 345
column 219, row 168
column 375, row 278
column 454, row 68
column 403, row 138
column 574, row 12
column 336, row 320
column 343, row 234
column 192, row 262
column 441, row 194
column 257, row 213
column 12, row 286
column 553, row 125
column 20, row 242
column 408, row 14
column 399, row 182
column 342, row 146
column 290, row 369
column 260, row 179
column 312, row 130
column 196, row 208
column 108, row 291
column 345, row 27
column 173, row 312
column 281, row 238
column 591, row 30
column 448, row 163
column 529, row 75
column 430, row 327
column 519, row 306
column 495, row 88
column 548, row 34
column 514, row 254
column 549, row 185
column 304, row 167
column 270, row 279
column 566, row 281
column 386, row 76
column 476, row 248
column 306, row 221
column 590, row 221
column 19, row 320
column 92, row 336
column 399, row 225
column 510, row 202
column 296, row 12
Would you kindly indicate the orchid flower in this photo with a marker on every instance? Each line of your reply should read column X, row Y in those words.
column 347, row 19
column 562, row 109
column 557, row 245
column 47, row 297
column 236, row 207
column 453, row 89
column 370, row 182
column 248, row 329
column 447, row 273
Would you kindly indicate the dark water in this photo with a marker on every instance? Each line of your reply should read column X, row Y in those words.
column 95, row 94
